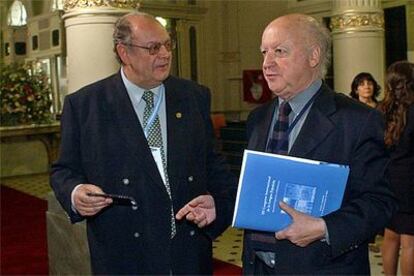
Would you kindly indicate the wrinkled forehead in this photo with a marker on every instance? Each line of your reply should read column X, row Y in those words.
column 287, row 30
column 277, row 33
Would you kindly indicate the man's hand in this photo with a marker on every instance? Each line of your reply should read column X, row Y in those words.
column 303, row 230
column 89, row 205
column 201, row 210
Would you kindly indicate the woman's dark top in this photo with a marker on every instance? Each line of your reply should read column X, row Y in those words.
column 401, row 167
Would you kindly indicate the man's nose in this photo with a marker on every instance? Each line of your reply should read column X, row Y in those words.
column 163, row 51
column 268, row 60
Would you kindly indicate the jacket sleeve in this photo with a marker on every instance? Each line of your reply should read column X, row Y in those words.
column 221, row 183
column 67, row 171
column 369, row 203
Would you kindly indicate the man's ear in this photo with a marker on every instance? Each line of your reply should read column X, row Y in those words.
column 122, row 53
column 315, row 56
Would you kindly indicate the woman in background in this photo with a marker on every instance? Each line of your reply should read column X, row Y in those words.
column 365, row 89
column 398, row 108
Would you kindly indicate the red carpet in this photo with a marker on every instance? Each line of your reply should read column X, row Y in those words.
column 223, row 268
column 23, row 236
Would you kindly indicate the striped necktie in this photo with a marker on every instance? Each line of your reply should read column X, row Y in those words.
column 279, row 142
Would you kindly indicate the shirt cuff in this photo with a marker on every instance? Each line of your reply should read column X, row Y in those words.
column 72, row 198
column 326, row 238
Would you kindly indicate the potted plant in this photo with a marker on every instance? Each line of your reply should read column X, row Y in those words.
column 25, row 98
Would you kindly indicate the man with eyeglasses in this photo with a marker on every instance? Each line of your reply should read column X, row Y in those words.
column 137, row 162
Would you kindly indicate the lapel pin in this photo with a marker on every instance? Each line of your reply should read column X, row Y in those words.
column 178, row 115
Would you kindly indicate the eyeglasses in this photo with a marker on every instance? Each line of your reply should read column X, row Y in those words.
column 154, row 48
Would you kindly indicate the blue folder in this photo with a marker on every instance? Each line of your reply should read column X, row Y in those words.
column 312, row 187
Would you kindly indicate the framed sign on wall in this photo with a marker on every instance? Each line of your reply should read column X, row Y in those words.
column 255, row 89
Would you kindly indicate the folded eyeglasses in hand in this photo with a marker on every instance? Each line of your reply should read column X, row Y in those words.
column 117, row 199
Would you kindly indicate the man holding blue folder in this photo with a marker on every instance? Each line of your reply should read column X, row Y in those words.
column 307, row 119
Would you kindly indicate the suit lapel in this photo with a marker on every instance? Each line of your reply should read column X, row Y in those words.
column 177, row 111
column 317, row 125
column 258, row 139
column 131, row 131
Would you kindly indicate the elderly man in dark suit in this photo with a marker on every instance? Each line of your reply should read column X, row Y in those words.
column 146, row 136
column 307, row 119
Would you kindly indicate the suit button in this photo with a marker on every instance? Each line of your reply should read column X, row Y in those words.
column 136, row 235
column 190, row 178
column 125, row 181
column 192, row 233
column 134, row 207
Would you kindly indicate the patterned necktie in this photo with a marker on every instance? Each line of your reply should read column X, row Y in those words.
column 154, row 139
column 279, row 143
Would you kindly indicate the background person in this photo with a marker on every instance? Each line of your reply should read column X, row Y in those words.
column 114, row 142
column 365, row 88
column 398, row 107
column 331, row 128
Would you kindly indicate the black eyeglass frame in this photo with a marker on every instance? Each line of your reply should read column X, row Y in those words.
column 155, row 48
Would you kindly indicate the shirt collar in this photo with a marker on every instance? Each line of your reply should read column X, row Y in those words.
column 300, row 100
column 135, row 91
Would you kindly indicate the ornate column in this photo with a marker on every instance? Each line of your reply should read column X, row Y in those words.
column 89, row 27
column 358, row 41
column 410, row 31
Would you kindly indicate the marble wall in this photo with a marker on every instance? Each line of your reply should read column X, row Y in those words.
column 23, row 157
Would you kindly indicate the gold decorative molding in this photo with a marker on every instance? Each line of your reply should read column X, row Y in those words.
column 81, row 4
column 354, row 21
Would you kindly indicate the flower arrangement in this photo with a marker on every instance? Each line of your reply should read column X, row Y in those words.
column 24, row 98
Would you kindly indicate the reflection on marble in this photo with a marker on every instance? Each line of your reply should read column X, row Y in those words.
column 67, row 244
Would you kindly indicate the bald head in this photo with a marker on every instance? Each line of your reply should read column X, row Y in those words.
column 144, row 47
column 127, row 25
column 295, row 52
column 310, row 32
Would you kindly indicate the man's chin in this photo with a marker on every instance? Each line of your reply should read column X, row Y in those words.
column 281, row 93
column 162, row 77
column 277, row 89
column 276, row 86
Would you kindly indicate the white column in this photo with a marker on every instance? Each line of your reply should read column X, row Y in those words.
column 358, row 41
column 230, row 61
column 89, row 26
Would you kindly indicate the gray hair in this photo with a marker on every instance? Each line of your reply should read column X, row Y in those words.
column 123, row 29
column 319, row 34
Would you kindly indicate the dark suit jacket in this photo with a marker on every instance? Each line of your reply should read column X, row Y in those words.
column 103, row 143
column 337, row 130
column 401, row 166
